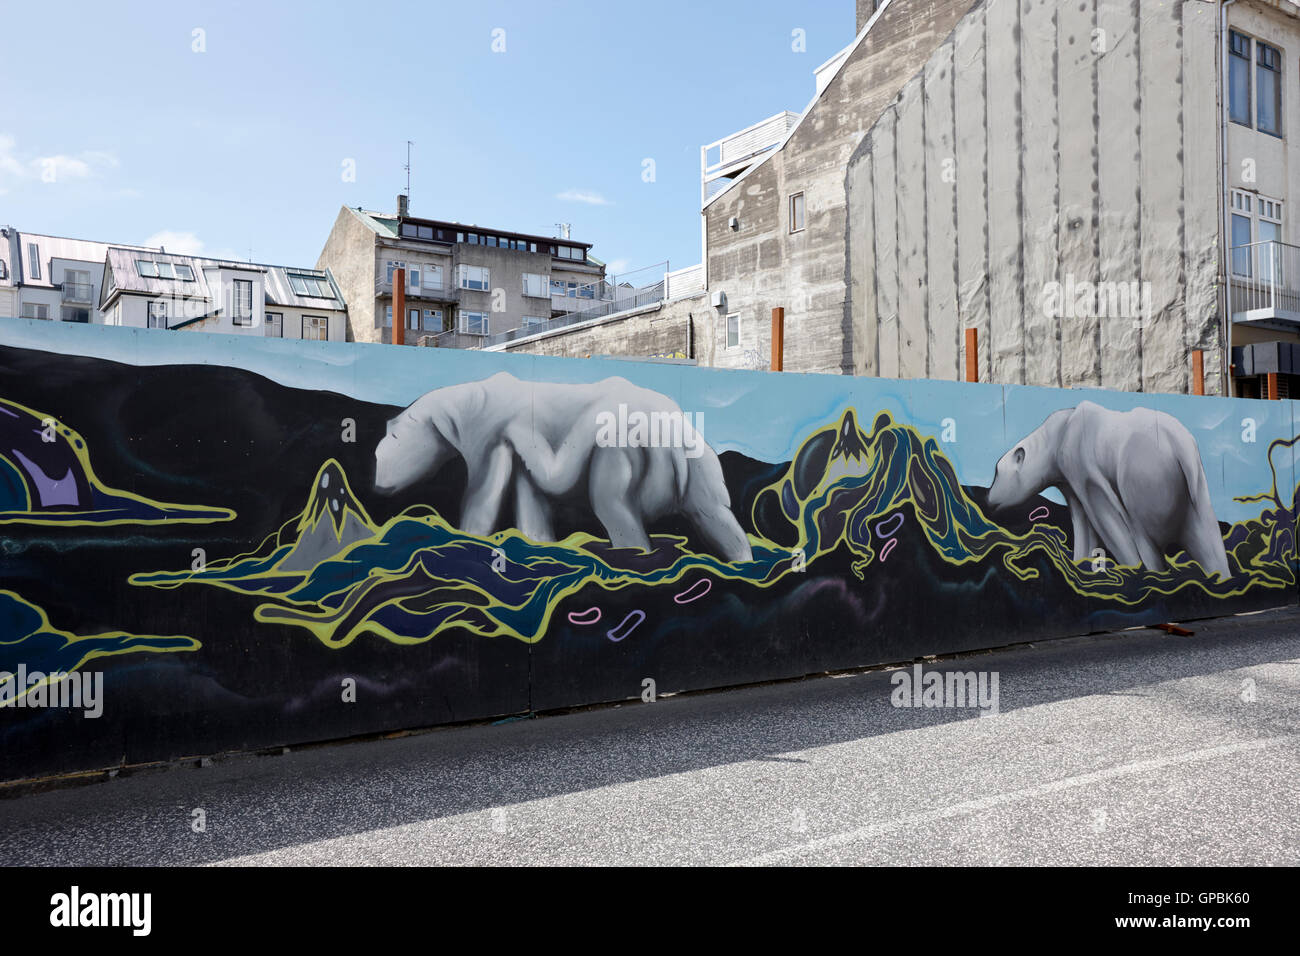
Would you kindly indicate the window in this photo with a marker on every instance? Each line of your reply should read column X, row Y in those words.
column 796, row 213
column 318, row 287
column 35, row 310
column 587, row 291
column 433, row 278
column 572, row 291
column 535, row 285
column 241, row 306
column 34, row 260
column 73, row 314
column 1239, row 78
column 733, row 330
column 275, row 325
column 4, row 270
column 392, row 265
column 388, row 316
column 432, row 320
column 413, row 278
column 571, row 252
column 1256, row 225
column 413, row 319
column 474, row 277
column 1268, row 88
column 184, row 273
column 147, row 268
column 1266, row 93
column 557, row 287
column 158, row 314
column 315, row 328
column 76, row 285
column 533, row 320
column 474, row 323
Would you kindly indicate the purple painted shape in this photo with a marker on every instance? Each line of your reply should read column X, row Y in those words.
column 1039, row 513
column 689, row 595
column 888, row 527
column 53, row 491
column 639, row 615
column 889, row 546
column 584, row 617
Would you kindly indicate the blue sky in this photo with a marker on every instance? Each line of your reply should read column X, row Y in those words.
column 239, row 150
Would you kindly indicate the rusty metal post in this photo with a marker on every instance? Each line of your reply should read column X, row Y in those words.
column 972, row 355
column 778, row 339
column 399, row 307
column 1198, row 372
column 1272, row 387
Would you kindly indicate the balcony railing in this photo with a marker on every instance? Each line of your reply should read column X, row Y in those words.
column 78, row 291
column 447, row 292
column 732, row 155
column 1266, row 282
column 684, row 282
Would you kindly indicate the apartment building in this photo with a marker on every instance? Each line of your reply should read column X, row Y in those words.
column 76, row 280
column 1094, row 193
column 158, row 290
column 463, row 282
column 52, row 277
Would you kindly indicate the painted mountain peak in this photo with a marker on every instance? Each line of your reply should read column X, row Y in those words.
column 46, row 477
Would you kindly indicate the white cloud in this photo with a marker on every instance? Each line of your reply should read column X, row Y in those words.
column 181, row 243
column 57, row 167
column 582, row 195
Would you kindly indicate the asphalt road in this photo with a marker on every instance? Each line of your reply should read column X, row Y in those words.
column 1131, row 748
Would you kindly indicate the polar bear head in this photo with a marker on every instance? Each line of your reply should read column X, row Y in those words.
column 414, row 447
column 1029, row 467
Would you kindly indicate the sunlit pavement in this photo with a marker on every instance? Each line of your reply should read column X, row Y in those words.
column 1132, row 748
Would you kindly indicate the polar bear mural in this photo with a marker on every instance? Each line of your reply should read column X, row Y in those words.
column 548, row 441
column 1133, row 482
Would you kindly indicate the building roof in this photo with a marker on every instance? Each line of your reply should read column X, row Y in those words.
column 846, row 54
column 61, row 247
column 123, row 276
column 388, row 225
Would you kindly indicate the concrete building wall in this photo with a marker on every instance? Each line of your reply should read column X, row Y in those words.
column 1043, row 146
column 761, row 264
column 675, row 329
column 349, row 252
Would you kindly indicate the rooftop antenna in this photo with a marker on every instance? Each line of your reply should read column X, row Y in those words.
column 564, row 228
column 409, row 144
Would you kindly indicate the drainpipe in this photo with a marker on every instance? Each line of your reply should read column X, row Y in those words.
column 1226, row 222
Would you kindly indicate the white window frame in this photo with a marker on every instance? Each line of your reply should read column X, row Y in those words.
column 39, row 310
column 34, row 260
column 432, row 279
column 541, row 283
column 275, row 325
column 437, row 323
column 463, row 278
column 727, row 330
column 319, row 323
column 1256, row 208
column 156, row 311
column 798, row 202
column 464, row 322
column 146, row 268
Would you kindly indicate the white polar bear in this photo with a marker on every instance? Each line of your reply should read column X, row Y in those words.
column 545, row 440
column 1133, row 481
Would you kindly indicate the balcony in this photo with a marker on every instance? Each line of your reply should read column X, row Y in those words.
column 447, row 292
column 82, row 292
column 1265, row 286
column 732, row 155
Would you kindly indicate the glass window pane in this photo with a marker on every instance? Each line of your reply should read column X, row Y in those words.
column 1269, row 91
column 1239, row 89
column 1241, row 245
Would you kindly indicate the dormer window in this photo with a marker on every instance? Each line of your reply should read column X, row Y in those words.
column 147, row 268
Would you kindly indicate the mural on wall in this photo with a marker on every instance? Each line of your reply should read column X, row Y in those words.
column 476, row 541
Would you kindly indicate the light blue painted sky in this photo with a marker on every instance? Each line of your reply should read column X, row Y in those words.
column 789, row 407
column 240, row 148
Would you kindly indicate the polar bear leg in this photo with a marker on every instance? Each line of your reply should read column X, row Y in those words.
column 1113, row 526
column 532, row 510
column 484, row 490
column 1203, row 542
column 720, row 529
column 1085, row 535
column 611, row 489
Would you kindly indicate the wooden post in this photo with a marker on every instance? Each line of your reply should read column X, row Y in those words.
column 1198, row 372
column 778, row 340
column 972, row 355
column 399, row 307
column 1272, row 387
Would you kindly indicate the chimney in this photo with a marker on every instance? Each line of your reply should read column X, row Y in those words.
column 403, row 205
